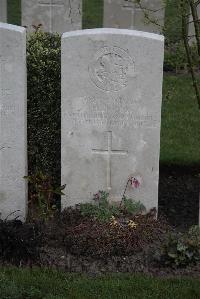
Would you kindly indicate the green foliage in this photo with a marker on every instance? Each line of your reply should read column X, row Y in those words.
column 101, row 209
column 14, row 12
column 133, row 207
column 92, row 14
column 173, row 31
column 44, row 100
column 41, row 197
column 182, row 249
column 176, row 59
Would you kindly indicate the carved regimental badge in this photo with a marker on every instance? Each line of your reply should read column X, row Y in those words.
column 111, row 68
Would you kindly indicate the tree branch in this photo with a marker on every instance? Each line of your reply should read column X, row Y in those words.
column 184, row 5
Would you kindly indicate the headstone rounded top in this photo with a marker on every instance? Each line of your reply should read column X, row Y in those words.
column 114, row 31
column 12, row 27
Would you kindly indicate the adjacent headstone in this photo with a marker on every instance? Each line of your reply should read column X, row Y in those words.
column 3, row 11
column 192, row 38
column 111, row 103
column 128, row 15
column 199, row 209
column 13, row 162
column 54, row 15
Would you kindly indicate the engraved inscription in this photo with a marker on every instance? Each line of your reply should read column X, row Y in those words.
column 121, row 121
column 109, row 152
column 111, row 68
column 3, row 147
column 5, row 92
column 9, row 109
column 51, row 2
column 121, row 112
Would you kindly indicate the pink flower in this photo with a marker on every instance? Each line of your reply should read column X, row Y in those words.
column 97, row 196
column 135, row 183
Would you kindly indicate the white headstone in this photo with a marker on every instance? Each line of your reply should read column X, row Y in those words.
column 54, row 15
column 3, row 11
column 111, row 103
column 128, row 15
column 192, row 38
column 13, row 162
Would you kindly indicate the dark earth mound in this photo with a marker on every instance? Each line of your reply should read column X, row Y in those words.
column 179, row 189
column 76, row 243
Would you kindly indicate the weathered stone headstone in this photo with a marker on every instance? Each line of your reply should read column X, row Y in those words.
column 54, row 15
column 199, row 209
column 111, row 102
column 3, row 10
column 13, row 162
column 128, row 15
column 192, row 38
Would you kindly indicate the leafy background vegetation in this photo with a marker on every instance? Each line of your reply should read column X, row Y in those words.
column 44, row 101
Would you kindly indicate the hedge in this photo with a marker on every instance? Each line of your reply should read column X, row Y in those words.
column 44, row 103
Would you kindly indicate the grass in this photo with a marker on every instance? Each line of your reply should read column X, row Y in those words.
column 46, row 284
column 172, row 21
column 14, row 12
column 92, row 14
column 180, row 142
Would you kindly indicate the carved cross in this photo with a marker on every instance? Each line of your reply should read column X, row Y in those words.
column 50, row 4
column 132, row 8
column 109, row 152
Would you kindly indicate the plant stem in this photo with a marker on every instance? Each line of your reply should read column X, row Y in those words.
column 184, row 16
column 124, row 192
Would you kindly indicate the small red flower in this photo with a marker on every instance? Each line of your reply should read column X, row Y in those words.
column 97, row 196
column 135, row 183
